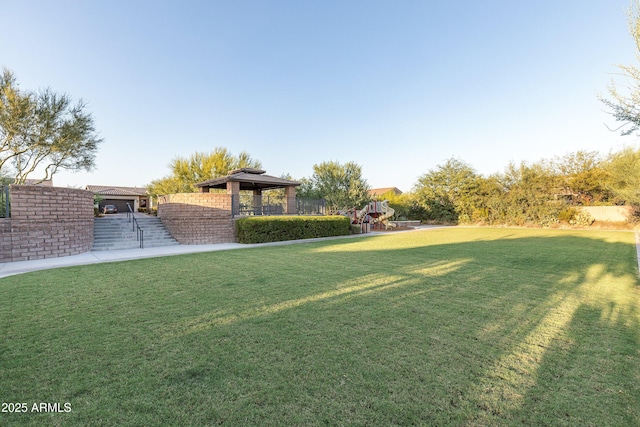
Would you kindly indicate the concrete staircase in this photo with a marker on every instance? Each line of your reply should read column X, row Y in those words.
column 114, row 232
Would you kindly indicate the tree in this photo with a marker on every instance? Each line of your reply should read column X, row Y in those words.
column 199, row 167
column 583, row 177
column 342, row 186
column 43, row 132
column 402, row 204
column 625, row 108
column 491, row 206
column 307, row 190
column 448, row 192
column 530, row 194
column 623, row 170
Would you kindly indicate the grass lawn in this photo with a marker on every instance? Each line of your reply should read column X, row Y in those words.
column 462, row 326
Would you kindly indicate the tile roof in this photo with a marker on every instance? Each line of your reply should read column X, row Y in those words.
column 46, row 183
column 105, row 190
column 249, row 179
column 381, row 191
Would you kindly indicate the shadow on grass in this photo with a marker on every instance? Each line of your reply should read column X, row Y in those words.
column 446, row 328
column 568, row 380
column 475, row 325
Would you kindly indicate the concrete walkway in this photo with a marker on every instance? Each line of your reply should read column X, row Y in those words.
column 95, row 257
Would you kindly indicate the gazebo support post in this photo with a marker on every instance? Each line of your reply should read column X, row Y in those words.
column 290, row 195
column 257, row 201
column 233, row 189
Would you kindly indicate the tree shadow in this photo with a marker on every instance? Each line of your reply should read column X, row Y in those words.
column 481, row 329
column 594, row 365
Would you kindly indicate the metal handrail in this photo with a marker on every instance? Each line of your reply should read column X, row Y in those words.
column 136, row 227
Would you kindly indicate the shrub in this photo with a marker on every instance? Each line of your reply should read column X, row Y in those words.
column 567, row 214
column 582, row 219
column 634, row 215
column 549, row 221
column 263, row 229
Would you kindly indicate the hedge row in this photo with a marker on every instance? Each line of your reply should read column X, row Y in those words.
column 263, row 229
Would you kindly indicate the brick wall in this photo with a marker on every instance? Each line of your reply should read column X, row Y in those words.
column 198, row 218
column 46, row 222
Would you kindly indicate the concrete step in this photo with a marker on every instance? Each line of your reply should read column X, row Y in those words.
column 126, row 235
column 115, row 246
column 111, row 223
column 128, row 230
column 101, row 234
column 112, row 233
column 128, row 238
column 129, row 245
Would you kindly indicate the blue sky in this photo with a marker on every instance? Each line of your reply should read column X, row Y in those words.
column 398, row 87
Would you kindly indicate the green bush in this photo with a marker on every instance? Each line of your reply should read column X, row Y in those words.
column 548, row 221
column 567, row 214
column 634, row 218
column 582, row 219
column 263, row 229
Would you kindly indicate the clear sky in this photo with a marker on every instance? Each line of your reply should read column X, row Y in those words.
column 398, row 87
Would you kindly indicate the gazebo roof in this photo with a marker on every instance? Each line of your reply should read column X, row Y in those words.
column 249, row 179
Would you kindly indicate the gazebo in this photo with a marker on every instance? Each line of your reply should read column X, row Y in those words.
column 255, row 180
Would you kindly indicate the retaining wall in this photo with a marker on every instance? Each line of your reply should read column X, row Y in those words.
column 198, row 218
column 608, row 213
column 46, row 222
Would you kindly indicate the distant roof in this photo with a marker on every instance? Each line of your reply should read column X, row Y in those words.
column 249, row 179
column 381, row 191
column 46, row 183
column 105, row 190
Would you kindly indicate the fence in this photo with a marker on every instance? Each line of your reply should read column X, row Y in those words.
column 5, row 206
column 244, row 205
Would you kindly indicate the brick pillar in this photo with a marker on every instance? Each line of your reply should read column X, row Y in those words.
column 233, row 188
column 290, row 195
column 257, row 201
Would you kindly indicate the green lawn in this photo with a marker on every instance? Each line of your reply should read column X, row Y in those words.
column 459, row 326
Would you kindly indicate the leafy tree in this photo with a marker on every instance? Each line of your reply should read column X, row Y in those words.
column 342, row 186
column 43, row 131
column 307, row 190
column 199, row 167
column 402, row 204
column 530, row 194
column 491, row 206
column 583, row 177
column 625, row 107
column 623, row 169
column 448, row 193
